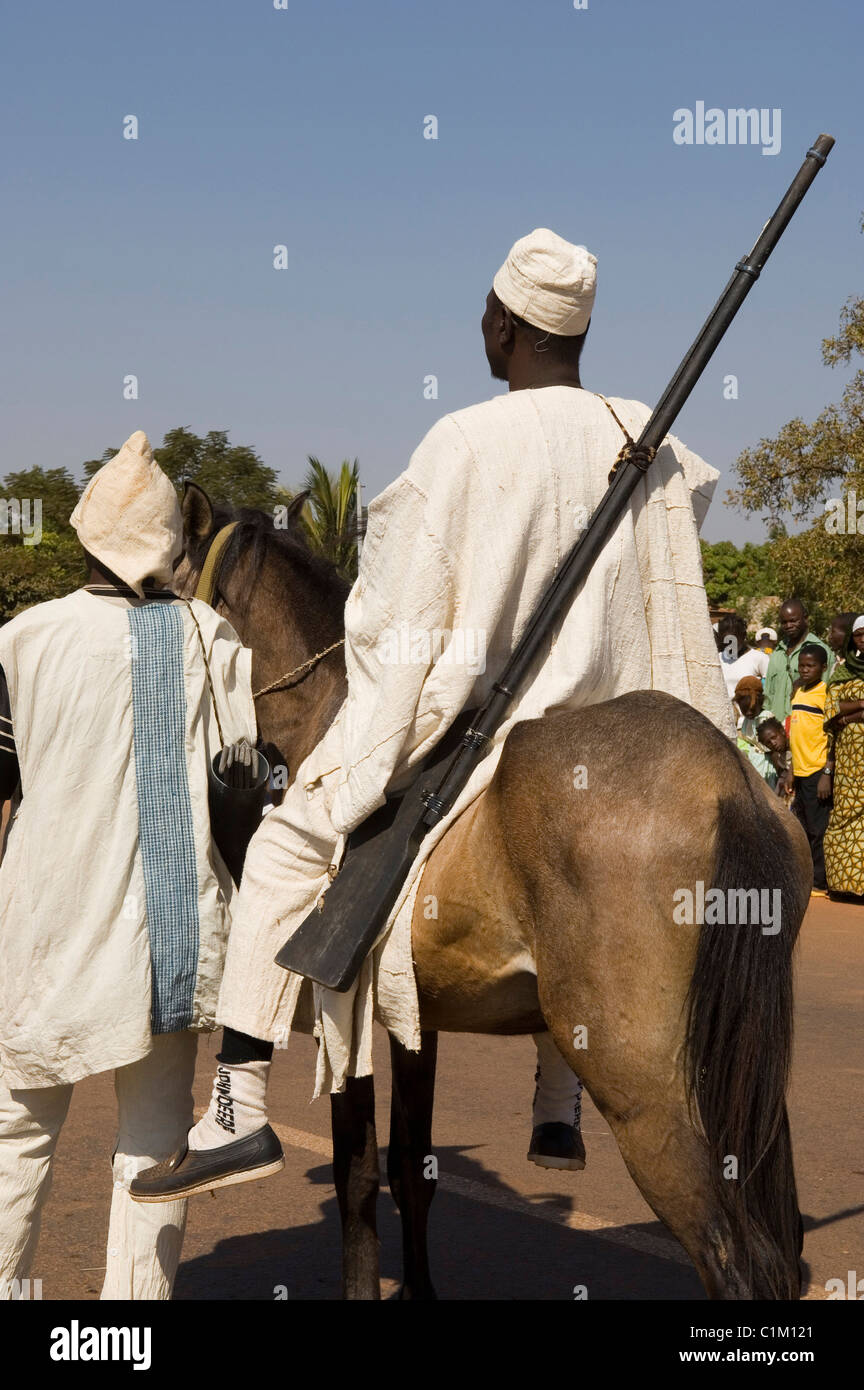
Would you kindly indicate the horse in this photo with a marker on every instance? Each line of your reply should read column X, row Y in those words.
column 555, row 911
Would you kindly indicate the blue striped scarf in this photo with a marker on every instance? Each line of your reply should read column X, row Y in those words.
column 165, row 829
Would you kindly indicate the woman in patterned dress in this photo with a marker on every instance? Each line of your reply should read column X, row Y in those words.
column 844, row 718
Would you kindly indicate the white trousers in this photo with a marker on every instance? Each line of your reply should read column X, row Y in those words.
column 285, row 873
column 557, row 1089
column 154, row 1105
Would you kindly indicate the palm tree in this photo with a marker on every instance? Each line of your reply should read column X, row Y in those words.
column 329, row 516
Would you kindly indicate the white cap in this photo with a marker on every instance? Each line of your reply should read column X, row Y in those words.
column 766, row 632
column 549, row 282
column 858, row 623
column 128, row 516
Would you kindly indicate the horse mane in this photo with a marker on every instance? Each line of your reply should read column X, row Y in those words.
column 257, row 540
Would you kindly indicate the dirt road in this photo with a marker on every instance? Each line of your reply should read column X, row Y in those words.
column 501, row 1228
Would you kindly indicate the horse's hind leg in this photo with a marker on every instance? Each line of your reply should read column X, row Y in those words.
column 408, row 1155
column 706, row 1209
column 640, row 1094
column 669, row 1162
column 356, row 1176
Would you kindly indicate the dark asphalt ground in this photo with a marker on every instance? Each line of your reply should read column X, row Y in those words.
column 501, row 1228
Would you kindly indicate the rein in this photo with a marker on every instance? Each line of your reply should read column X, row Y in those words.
column 305, row 665
column 205, row 589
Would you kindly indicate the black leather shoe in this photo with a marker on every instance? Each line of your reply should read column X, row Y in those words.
column 556, row 1145
column 189, row 1171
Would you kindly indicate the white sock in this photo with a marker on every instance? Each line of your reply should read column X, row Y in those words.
column 238, row 1105
column 558, row 1094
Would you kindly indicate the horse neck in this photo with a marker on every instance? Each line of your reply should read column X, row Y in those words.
column 286, row 623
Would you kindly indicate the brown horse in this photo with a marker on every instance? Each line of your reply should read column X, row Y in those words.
column 568, row 909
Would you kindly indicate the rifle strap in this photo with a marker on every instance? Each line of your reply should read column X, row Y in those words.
column 628, row 453
column 609, row 407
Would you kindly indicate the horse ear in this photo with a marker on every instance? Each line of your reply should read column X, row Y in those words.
column 296, row 505
column 197, row 512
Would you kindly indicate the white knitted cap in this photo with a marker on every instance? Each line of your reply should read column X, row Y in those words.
column 549, row 282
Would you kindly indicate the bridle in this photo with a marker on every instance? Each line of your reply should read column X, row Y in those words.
column 207, row 580
column 207, row 588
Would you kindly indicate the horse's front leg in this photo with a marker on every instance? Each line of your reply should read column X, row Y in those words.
column 410, row 1162
column 356, row 1175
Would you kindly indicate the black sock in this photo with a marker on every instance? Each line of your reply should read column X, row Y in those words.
column 239, row 1047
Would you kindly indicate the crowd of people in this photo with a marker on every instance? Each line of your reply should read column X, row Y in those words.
column 799, row 706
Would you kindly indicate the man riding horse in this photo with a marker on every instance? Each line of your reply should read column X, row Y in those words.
column 464, row 544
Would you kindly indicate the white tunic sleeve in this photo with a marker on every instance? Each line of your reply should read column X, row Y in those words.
column 701, row 479
column 403, row 597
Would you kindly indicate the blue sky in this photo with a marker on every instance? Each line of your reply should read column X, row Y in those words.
column 304, row 127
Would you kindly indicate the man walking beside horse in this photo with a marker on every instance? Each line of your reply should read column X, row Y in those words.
column 114, row 905
column 464, row 543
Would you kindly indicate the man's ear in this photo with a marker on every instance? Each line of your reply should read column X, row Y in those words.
column 506, row 329
column 197, row 512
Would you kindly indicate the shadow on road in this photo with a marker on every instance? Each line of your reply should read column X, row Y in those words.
column 478, row 1251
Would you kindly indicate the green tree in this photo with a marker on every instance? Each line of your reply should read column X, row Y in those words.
column 231, row 473
column 54, row 487
column 734, row 577
column 55, row 565
column 30, row 574
column 329, row 516
column 33, row 573
column 813, row 472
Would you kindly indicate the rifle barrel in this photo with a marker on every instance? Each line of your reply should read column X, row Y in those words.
column 623, row 482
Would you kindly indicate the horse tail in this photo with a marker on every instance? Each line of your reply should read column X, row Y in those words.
column 739, row 1042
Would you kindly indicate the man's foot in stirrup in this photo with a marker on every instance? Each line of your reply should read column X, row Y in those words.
column 231, row 1143
column 556, row 1145
column 556, row 1138
column 190, row 1171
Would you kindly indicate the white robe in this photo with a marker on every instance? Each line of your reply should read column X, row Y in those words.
column 466, row 541
column 75, row 942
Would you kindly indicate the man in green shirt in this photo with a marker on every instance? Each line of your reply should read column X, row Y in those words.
column 782, row 672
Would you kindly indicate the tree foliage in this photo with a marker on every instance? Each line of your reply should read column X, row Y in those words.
column 232, row 473
column 329, row 516
column 806, row 466
column 33, row 573
column 735, row 577
column 57, row 490
column 55, row 566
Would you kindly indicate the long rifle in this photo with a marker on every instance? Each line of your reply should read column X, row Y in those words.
column 330, row 945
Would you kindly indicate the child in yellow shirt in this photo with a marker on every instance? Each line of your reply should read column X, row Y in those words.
column 808, row 743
